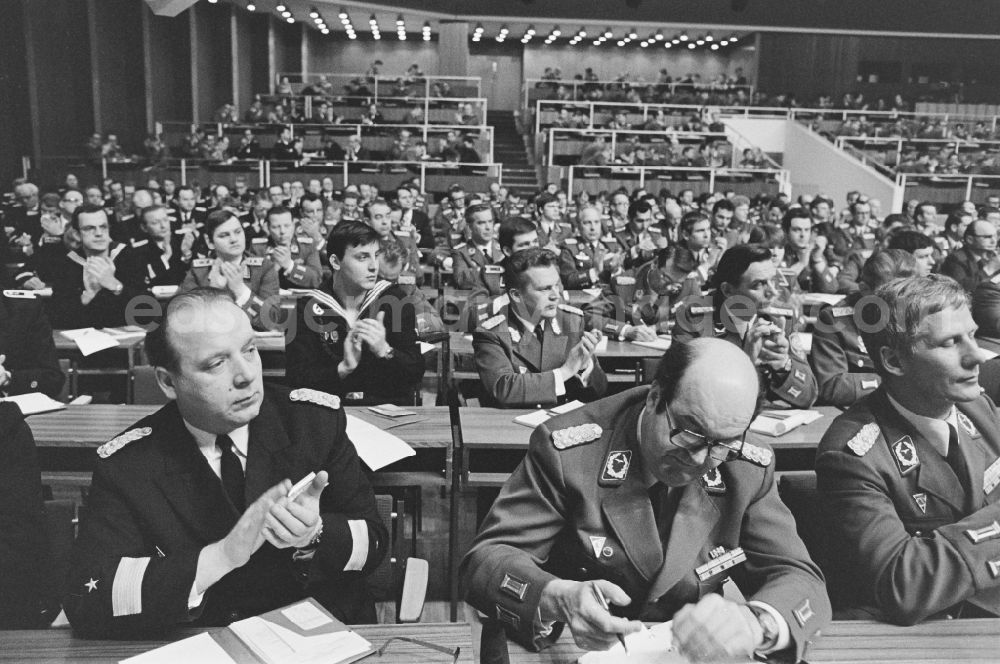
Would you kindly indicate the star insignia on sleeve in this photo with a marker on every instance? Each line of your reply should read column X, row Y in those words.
column 91, row 585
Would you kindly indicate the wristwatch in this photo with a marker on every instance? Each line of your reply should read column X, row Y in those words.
column 769, row 627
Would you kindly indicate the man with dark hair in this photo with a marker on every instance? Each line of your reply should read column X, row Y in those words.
column 190, row 521
column 977, row 260
column 254, row 221
column 844, row 372
column 188, row 213
column 723, row 213
column 477, row 263
column 917, row 244
column 908, row 477
column 925, row 219
column 535, row 350
column 355, row 336
column 414, row 217
column 744, row 312
column 644, row 498
column 311, row 222
column 295, row 256
column 86, row 289
column 637, row 244
column 552, row 227
column 806, row 254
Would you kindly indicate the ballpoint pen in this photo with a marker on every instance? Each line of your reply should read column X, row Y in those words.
column 604, row 603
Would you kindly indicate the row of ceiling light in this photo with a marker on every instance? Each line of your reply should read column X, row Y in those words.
column 345, row 20
column 681, row 40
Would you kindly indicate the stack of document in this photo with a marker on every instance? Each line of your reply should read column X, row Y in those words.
column 303, row 633
column 376, row 448
column 34, row 403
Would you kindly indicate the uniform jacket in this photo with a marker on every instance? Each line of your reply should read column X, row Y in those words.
column 629, row 242
column 560, row 232
column 911, row 542
column 475, row 269
column 517, row 371
column 106, row 309
column 584, row 513
column 45, row 261
column 844, row 371
column 963, row 266
column 576, row 260
column 259, row 274
column 809, row 281
column 155, row 503
column 147, row 267
column 306, row 270
column 697, row 317
column 315, row 347
column 22, row 540
column 26, row 340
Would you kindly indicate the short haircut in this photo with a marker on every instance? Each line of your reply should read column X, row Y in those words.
column 909, row 240
column 50, row 200
column 157, row 347
column 733, row 264
column 522, row 261
column 378, row 201
column 511, row 227
column 904, row 303
column 476, row 208
column 815, row 203
column 276, row 210
column 724, row 204
column 641, row 206
column 392, row 252
column 796, row 212
column 215, row 219
column 309, row 196
column 954, row 220
column 884, row 266
column 86, row 208
column 349, row 234
column 145, row 212
column 690, row 219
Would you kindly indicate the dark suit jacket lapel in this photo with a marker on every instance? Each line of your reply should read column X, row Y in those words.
column 528, row 350
column 266, row 466
column 554, row 348
column 933, row 475
column 627, row 507
column 189, row 484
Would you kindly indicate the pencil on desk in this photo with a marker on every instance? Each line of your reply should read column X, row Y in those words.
column 604, row 604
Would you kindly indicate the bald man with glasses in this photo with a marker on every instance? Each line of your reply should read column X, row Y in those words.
column 651, row 499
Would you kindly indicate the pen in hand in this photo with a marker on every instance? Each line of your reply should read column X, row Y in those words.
column 604, row 604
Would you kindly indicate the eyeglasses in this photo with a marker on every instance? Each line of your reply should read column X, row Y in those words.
column 451, row 652
column 720, row 450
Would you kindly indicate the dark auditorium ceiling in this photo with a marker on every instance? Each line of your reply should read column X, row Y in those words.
column 979, row 18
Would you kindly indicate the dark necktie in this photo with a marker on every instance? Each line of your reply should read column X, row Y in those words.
column 233, row 480
column 664, row 504
column 540, row 332
column 958, row 465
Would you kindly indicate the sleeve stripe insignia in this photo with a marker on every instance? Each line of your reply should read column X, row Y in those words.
column 493, row 322
column 577, row 435
column 803, row 613
column 864, row 439
column 514, row 586
column 315, row 396
column 115, row 444
column 758, row 455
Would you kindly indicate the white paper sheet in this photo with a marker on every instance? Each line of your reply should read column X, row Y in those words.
column 35, row 402
column 532, row 420
column 306, row 616
column 376, row 448
column 426, row 347
column 200, row 649
column 277, row 645
column 90, row 341
column 650, row 646
column 602, row 345
column 660, row 343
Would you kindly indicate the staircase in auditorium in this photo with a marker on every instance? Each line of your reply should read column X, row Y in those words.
column 509, row 149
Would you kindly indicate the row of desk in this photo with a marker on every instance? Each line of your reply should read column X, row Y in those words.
column 844, row 642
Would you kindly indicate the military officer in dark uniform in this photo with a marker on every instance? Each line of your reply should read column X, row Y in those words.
column 652, row 498
column 163, row 256
column 744, row 311
column 637, row 244
column 295, row 256
column 189, row 520
column 535, row 351
column 839, row 358
column 909, row 478
column 28, row 361
column 476, row 263
column 355, row 336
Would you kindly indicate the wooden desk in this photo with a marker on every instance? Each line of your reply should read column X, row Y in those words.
column 79, row 365
column 58, row 645
column 486, row 430
column 852, row 642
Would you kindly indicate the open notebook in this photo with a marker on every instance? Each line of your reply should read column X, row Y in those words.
column 301, row 633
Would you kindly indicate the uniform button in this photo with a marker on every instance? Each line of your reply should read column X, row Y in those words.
column 919, row 533
column 233, row 616
column 861, row 363
column 583, row 570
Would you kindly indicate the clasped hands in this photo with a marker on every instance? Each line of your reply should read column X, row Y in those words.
column 366, row 331
column 712, row 630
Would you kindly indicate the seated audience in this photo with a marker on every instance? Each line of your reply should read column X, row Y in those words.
column 476, row 263
column 805, row 253
column 163, row 256
column 355, row 336
column 188, row 522
column 251, row 280
column 977, row 260
column 294, row 255
column 900, row 474
column 585, row 261
column 844, row 371
column 535, row 352
column 918, row 245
